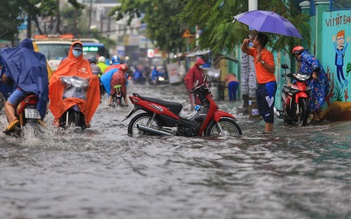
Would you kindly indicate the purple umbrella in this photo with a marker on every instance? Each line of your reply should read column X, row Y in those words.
column 268, row 21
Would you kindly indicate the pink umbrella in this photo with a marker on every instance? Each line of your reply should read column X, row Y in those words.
column 269, row 22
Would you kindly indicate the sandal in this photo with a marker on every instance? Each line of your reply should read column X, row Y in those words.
column 87, row 124
column 12, row 126
column 315, row 122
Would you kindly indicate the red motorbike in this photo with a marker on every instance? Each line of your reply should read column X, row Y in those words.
column 295, row 98
column 162, row 117
column 26, row 110
column 27, row 113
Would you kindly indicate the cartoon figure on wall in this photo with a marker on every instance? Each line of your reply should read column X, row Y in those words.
column 340, row 47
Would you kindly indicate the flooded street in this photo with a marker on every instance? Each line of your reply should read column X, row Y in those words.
column 297, row 172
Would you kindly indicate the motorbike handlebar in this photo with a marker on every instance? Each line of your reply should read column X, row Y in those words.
column 288, row 75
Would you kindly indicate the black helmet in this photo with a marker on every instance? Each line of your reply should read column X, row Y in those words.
column 92, row 60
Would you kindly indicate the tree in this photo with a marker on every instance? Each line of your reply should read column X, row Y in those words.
column 220, row 33
column 11, row 16
column 78, row 26
column 14, row 12
column 160, row 18
column 35, row 9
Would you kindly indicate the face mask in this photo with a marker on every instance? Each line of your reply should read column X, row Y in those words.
column 201, row 66
column 77, row 53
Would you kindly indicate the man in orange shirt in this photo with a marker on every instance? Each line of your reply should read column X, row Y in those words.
column 267, row 86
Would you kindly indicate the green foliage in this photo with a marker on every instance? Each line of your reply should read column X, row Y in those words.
column 108, row 43
column 338, row 93
column 215, row 18
column 76, row 4
column 14, row 12
column 69, row 16
column 82, row 26
column 159, row 16
column 11, row 16
column 47, row 8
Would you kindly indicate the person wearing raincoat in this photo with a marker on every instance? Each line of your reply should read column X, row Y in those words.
column 74, row 65
column 107, row 77
column 319, row 85
column 50, row 71
column 102, row 63
column 26, row 71
column 195, row 73
column 119, row 78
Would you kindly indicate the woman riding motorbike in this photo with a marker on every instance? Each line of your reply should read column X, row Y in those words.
column 74, row 65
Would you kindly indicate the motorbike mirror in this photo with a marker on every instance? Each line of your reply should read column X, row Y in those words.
column 285, row 66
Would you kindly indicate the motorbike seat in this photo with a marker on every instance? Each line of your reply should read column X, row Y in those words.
column 30, row 98
column 174, row 107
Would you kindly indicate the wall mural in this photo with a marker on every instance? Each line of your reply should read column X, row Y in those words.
column 335, row 29
column 336, row 57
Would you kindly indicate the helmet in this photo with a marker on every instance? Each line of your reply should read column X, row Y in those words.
column 92, row 60
column 102, row 59
column 115, row 60
column 123, row 67
column 297, row 50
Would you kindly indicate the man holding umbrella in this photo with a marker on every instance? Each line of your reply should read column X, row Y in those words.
column 267, row 86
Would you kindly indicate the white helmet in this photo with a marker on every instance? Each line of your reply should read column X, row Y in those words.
column 102, row 59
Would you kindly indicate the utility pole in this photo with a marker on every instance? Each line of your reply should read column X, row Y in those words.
column 90, row 10
column 58, row 17
column 252, row 5
column 248, row 74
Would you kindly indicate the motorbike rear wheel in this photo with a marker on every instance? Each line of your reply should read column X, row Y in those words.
column 303, row 109
column 74, row 117
column 228, row 125
column 142, row 119
column 117, row 101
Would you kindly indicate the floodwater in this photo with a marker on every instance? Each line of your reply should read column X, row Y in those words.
column 102, row 173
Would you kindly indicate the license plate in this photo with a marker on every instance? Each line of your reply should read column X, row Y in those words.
column 31, row 113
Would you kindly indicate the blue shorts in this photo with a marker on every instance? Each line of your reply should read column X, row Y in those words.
column 265, row 95
column 16, row 97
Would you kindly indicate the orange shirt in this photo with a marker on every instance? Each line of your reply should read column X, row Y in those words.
column 262, row 74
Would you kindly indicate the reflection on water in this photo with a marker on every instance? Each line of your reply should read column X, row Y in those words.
column 298, row 172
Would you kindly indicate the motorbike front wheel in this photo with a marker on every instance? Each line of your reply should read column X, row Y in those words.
column 144, row 119
column 303, row 109
column 228, row 126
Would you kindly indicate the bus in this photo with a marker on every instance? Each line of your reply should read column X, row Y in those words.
column 95, row 50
